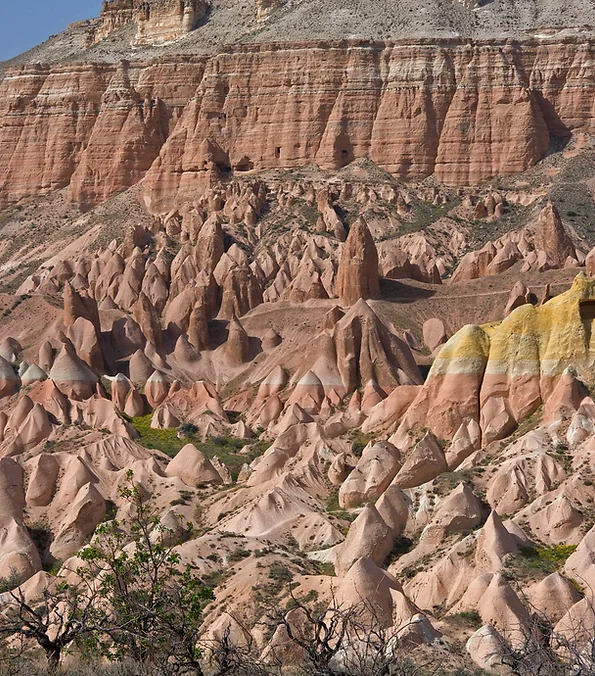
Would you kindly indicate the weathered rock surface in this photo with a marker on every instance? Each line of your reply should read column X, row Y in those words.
column 357, row 276
column 368, row 537
column 133, row 117
column 551, row 237
column 500, row 373
column 193, row 468
column 371, row 476
column 425, row 462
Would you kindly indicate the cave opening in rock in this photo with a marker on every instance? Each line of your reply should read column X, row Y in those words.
column 587, row 309
column 343, row 150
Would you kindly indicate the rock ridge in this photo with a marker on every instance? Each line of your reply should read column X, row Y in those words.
column 182, row 124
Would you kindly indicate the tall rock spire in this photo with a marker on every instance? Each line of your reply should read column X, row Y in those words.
column 357, row 276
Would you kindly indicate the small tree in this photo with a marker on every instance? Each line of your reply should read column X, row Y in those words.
column 187, row 430
column 155, row 604
column 63, row 614
column 536, row 648
column 228, row 658
column 132, row 598
column 339, row 640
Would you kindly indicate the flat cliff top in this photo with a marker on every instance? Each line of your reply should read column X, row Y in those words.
column 235, row 21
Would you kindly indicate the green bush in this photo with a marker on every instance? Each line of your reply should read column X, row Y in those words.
column 401, row 546
column 359, row 441
column 280, row 574
column 165, row 441
column 467, row 619
column 41, row 535
column 239, row 554
column 539, row 561
column 324, row 568
column 226, row 448
column 188, row 429
column 111, row 509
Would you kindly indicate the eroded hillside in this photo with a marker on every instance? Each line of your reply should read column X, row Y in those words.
column 330, row 302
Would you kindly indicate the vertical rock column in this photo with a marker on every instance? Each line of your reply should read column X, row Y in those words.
column 357, row 276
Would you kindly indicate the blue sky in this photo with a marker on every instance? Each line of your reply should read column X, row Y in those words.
column 25, row 24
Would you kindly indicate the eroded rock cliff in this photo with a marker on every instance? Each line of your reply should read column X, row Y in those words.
column 459, row 112
column 156, row 22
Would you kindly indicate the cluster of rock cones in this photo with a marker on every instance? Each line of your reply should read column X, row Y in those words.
column 293, row 346
column 382, row 388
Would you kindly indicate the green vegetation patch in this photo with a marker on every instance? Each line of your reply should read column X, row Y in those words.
column 324, row 568
column 448, row 481
column 165, row 441
column 227, row 448
column 402, row 545
column 231, row 453
column 333, row 507
column 425, row 214
column 538, row 561
column 41, row 535
column 467, row 619
column 359, row 441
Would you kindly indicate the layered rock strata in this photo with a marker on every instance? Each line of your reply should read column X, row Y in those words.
column 459, row 112
column 156, row 22
column 95, row 127
column 114, row 15
column 498, row 374
column 162, row 21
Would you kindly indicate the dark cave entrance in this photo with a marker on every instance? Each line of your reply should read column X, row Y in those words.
column 587, row 309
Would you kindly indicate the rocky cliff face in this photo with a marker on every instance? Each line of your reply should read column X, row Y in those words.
column 156, row 22
column 114, row 15
column 162, row 21
column 499, row 374
column 460, row 113
column 99, row 127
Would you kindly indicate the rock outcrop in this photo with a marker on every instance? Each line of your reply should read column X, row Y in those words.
column 500, row 373
column 368, row 537
column 371, row 476
column 193, row 468
column 551, row 237
column 156, row 22
column 357, row 276
column 162, row 21
column 362, row 350
column 446, row 139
